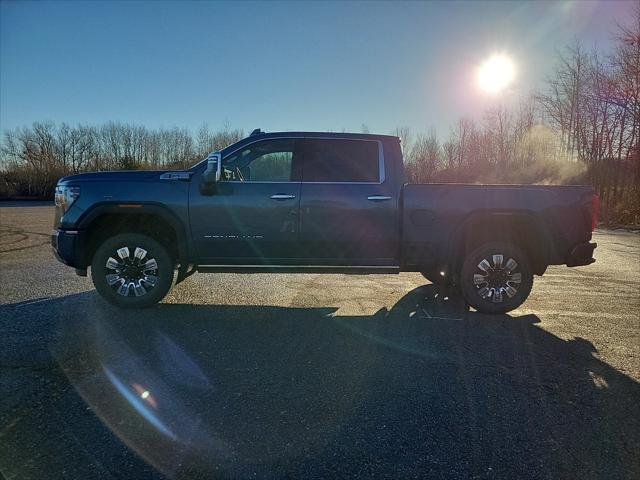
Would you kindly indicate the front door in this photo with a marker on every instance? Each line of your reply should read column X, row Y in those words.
column 253, row 215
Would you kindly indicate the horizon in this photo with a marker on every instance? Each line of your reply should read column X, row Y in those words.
column 280, row 66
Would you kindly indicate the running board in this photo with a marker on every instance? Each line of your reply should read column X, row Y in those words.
column 352, row 270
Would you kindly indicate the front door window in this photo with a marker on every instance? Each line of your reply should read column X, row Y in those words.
column 266, row 161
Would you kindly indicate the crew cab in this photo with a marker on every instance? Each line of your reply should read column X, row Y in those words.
column 321, row 203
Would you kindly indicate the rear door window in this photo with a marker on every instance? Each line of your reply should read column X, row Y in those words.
column 341, row 160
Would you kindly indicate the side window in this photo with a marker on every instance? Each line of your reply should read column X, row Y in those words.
column 266, row 161
column 272, row 167
column 329, row 160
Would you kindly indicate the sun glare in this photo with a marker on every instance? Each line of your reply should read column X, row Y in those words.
column 496, row 73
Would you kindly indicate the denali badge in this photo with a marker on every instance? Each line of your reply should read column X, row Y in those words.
column 235, row 236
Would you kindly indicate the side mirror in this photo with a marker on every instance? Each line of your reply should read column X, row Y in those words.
column 212, row 174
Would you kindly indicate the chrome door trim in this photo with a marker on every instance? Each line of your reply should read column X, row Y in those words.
column 381, row 172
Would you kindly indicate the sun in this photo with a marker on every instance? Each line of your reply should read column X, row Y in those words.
column 496, row 73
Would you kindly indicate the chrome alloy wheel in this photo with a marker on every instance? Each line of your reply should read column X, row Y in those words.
column 497, row 278
column 131, row 276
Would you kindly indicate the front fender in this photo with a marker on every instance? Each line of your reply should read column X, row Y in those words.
column 139, row 208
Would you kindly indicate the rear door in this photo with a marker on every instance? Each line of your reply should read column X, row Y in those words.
column 348, row 207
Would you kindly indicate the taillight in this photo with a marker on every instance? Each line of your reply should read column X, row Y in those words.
column 595, row 206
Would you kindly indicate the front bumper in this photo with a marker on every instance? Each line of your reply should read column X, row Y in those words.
column 582, row 254
column 66, row 245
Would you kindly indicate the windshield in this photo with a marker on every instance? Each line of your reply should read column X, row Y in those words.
column 219, row 145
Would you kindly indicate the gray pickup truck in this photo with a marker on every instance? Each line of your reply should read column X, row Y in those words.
column 315, row 202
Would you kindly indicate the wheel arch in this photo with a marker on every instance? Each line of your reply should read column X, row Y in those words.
column 522, row 228
column 157, row 221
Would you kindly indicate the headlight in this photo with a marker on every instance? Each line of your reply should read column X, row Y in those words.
column 66, row 195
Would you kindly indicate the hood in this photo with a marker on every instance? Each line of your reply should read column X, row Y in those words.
column 119, row 176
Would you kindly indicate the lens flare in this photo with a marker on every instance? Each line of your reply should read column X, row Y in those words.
column 496, row 73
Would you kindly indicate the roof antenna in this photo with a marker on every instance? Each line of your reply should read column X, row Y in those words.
column 257, row 131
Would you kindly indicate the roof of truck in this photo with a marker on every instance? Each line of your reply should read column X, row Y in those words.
column 362, row 136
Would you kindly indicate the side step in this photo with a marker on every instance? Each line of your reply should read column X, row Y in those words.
column 353, row 270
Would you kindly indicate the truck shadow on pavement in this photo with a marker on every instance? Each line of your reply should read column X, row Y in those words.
column 426, row 389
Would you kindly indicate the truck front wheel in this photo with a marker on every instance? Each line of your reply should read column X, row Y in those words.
column 132, row 270
column 496, row 277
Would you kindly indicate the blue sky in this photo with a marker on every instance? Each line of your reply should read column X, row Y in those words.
column 278, row 66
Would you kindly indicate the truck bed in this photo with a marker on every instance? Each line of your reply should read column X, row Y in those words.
column 436, row 216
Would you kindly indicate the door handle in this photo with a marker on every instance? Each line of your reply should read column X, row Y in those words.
column 378, row 198
column 282, row 196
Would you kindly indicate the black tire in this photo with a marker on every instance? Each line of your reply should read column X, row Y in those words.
column 494, row 288
column 154, row 282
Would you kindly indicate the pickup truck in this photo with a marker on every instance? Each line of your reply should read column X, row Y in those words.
column 320, row 203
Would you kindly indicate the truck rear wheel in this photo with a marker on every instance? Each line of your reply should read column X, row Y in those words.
column 496, row 277
column 132, row 270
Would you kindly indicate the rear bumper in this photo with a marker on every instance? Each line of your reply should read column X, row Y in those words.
column 66, row 245
column 582, row 254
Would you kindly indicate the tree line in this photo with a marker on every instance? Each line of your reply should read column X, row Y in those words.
column 582, row 127
column 33, row 158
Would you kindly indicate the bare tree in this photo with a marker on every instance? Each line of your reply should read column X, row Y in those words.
column 424, row 159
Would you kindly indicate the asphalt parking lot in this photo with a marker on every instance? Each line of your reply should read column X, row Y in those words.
column 323, row 376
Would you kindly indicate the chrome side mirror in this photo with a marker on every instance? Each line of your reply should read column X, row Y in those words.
column 212, row 174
